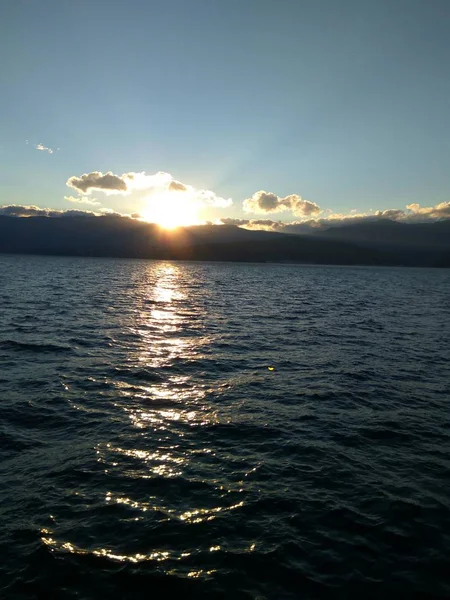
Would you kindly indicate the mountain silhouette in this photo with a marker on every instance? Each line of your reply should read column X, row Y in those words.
column 381, row 242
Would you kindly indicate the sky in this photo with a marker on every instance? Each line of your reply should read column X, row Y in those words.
column 236, row 109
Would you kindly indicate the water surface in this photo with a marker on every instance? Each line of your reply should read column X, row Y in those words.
column 223, row 430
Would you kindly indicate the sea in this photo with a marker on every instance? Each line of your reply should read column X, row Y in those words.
column 223, row 430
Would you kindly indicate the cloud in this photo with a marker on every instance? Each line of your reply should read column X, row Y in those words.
column 16, row 210
column 440, row 211
column 394, row 214
column 266, row 202
column 271, row 225
column 231, row 221
column 110, row 211
column 82, row 200
column 177, row 186
column 159, row 183
column 96, row 180
column 43, row 148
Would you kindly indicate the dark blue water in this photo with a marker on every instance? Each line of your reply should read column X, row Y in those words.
column 223, row 430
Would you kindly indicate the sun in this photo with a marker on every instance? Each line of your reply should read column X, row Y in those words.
column 170, row 210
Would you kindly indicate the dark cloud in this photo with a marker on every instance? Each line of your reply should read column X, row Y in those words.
column 96, row 180
column 263, row 202
column 267, row 202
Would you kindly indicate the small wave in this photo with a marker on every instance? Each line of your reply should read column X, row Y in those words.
column 139, row 374
column 33, row 347
column 92, row 343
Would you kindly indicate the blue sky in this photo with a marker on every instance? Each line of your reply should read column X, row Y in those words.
column 342, row 102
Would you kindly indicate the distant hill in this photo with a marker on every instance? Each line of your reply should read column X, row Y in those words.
column 419, row 244
column 375, row 243
column 384, row 232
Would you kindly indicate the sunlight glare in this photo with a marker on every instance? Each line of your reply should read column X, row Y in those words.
column 171, row 210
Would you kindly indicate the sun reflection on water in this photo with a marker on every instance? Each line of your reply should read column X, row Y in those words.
column 157, row 556
column 170, row 341
column 164, row 320
column 158, row 389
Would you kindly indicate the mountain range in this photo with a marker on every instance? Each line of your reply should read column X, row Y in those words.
column 374, row 242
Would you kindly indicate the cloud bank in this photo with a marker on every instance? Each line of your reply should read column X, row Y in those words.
column 413, row 213
column 16, row 210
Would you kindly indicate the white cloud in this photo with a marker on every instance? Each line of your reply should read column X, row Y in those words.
column 267, row 202
column 162, row 183
column 43, row 148
column 82, row 200
column 440, row 211
column 159, row 183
